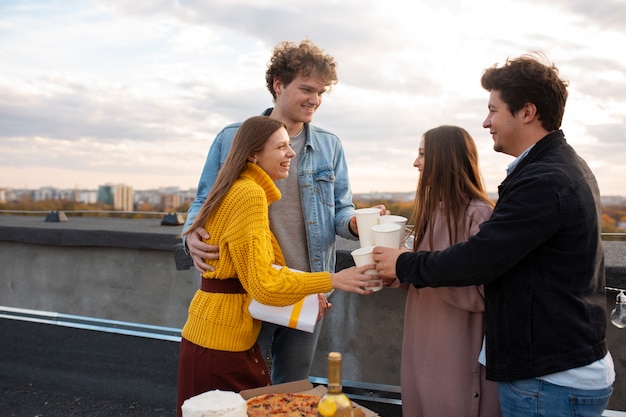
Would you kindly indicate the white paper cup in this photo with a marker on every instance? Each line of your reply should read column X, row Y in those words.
column 365, row 256
column 392, row 218
column 388, row 235
column 365, row 219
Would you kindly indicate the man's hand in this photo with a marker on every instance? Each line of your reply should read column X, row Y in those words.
column 201, row 251
column 385, row 259
column 353, row 226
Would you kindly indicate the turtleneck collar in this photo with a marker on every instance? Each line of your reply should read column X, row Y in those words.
column 260, row 177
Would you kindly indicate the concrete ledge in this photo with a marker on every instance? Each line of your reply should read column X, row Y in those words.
column 615, row 264
column 150, row 234
column 90, row 232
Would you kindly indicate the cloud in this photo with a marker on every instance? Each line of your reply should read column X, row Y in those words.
column 604, row 14
column 136, row 91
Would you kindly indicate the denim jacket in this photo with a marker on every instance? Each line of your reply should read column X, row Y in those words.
column 541, row 258
column 324, row 190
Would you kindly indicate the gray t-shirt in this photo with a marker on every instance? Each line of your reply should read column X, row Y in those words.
column 286, row 216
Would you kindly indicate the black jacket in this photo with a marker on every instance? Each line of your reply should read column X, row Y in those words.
column 541, row 258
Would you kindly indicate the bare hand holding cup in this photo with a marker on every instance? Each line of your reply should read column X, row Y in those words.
column 353, row 279
column 385, row 259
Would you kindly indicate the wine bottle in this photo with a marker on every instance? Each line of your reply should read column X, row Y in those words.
column 334, row 403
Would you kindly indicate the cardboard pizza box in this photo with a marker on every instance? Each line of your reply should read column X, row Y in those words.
column 303, row 386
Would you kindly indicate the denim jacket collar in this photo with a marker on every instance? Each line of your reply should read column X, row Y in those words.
column 309, row 144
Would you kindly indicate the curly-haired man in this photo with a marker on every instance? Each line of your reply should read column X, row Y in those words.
column 316, row 203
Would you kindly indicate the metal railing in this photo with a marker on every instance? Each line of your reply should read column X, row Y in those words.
column 91, row 323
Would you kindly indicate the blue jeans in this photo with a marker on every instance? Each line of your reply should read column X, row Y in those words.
column 292, row 351
column 537, row 398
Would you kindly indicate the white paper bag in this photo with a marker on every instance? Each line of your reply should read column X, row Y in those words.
column 301, row 316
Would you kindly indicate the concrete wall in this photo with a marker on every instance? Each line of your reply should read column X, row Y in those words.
column 134, row 271
column 135, row 285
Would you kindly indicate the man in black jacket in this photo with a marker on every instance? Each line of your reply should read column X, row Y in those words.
column 540, row 255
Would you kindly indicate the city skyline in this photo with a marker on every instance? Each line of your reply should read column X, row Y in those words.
column 192, row 190
column 135, row 92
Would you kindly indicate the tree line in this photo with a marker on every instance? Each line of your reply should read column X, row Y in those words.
column 613, row 216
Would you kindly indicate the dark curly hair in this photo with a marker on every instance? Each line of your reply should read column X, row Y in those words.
column 291, row 59
column 530, row 78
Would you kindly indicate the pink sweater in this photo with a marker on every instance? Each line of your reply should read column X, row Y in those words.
column 443, row 334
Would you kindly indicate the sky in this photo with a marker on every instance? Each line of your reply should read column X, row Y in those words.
column 134, row 91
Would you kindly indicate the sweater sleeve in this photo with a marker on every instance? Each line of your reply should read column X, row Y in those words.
column 254, row 250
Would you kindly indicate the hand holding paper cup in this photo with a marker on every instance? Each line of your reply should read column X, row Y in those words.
column 388, row 235
column 365, row 219
column 365, row 256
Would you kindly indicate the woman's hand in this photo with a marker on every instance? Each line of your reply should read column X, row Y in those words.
column 325, row 305
column 354, row 279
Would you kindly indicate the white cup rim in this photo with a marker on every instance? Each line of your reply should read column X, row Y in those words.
column 369, row 210
column 393, row 217
column 362, row 251
column 386, row 227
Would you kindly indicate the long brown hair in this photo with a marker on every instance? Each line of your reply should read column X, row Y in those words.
column 249, row 139
column 450, row 176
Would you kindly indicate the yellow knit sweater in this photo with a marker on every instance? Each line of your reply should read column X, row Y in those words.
column 240, row 227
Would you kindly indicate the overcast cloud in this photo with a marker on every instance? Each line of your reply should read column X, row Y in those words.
column 133, row 92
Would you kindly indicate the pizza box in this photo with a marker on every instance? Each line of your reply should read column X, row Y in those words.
column 302, row 386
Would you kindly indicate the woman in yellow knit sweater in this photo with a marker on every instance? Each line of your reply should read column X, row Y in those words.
column 218, row 348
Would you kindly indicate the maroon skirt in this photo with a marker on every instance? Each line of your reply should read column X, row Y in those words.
column 201, row 369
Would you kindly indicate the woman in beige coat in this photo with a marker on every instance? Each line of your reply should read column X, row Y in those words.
column 443, row 327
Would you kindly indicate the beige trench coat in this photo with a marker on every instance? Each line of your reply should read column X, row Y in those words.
column 443, row 334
